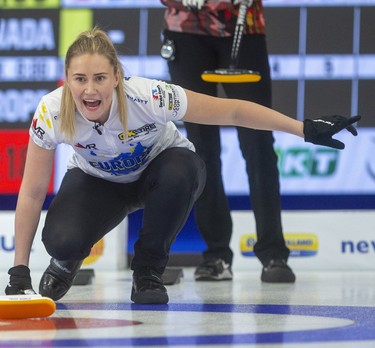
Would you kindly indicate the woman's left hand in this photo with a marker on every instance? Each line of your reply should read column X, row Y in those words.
column 320, row 131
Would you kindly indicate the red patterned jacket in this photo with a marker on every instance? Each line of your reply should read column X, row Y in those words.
column 216, row 18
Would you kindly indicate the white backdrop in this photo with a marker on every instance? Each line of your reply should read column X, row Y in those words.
column 318, row 240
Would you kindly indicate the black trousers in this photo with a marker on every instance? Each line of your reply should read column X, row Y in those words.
column 194, row 54
column 86, row 208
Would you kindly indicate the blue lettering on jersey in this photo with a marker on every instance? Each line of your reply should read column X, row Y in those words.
column 125, row 163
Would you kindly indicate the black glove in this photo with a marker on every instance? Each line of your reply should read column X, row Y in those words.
column 19, row 281
column 321, row 130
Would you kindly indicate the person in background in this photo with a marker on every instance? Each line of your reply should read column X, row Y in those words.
column 128, row 155
column 200, row 34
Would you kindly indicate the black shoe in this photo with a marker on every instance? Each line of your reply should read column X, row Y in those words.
column 148, row 287
column 58, row 278
column 277, row 271
column 213, row 269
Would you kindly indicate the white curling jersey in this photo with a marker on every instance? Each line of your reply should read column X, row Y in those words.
column 152, row 106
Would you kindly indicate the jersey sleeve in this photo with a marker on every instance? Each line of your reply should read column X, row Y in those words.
column 168, row 101
column 42, row 129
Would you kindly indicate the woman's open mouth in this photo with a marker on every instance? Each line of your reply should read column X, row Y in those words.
column 92, row 104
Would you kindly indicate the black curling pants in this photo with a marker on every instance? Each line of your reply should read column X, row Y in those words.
column 194, row 54
column 86, row 208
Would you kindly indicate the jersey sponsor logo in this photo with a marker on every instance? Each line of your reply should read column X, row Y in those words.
column 155, row 94
column 170, row 101
column 38, row 131
column 158, row 94
column 135, row 133
column 176, row 104
column 124, row 163
column 88, row 146
column 136, row 99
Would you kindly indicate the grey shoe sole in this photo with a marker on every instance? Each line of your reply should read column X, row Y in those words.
column 226, row 275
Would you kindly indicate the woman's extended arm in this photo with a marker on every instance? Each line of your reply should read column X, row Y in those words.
column 205, row 109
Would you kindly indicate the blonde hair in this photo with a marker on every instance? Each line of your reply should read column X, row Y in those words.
column 93, row 41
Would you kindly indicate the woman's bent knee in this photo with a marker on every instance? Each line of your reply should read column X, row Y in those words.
column 64, row 247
